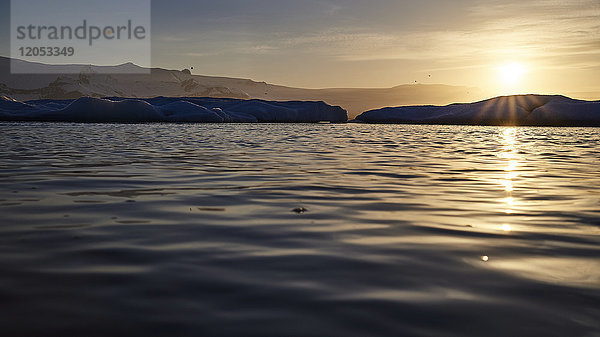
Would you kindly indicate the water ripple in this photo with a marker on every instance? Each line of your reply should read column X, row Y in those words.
column 165, row 230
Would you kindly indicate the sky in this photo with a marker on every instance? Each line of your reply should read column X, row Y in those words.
column 501, row 47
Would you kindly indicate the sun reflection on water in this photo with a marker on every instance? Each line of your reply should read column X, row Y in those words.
column 510, row 153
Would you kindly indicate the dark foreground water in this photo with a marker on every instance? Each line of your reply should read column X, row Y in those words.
column 188, row 230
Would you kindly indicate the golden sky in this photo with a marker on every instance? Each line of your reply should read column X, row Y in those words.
column 555, row 45
column 501, row 47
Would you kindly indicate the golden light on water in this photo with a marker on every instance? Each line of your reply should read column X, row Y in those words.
column 508, row 185
column 506, row 227
column 510, row 202
column 509, row 152
column 509, row 136
column 512, row 165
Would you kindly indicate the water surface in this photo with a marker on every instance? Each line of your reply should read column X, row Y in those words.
column 172, row 230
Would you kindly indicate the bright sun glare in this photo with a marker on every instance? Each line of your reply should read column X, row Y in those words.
column 512, row 73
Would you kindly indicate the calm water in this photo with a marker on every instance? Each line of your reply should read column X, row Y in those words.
column 173, row 230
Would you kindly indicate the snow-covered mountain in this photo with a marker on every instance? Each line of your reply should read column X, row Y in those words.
column 74, row 81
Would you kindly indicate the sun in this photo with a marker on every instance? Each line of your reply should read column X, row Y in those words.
column 512, row 73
